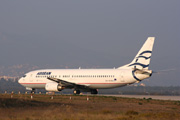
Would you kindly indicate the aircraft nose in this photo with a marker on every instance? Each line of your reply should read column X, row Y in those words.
column 20, row 80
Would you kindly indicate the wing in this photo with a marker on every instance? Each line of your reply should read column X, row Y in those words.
column 67, row 84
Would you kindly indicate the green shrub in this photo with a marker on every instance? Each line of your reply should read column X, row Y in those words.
column 131, row 112
column 140, row 103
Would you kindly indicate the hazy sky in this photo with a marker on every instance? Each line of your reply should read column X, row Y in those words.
column 105, row 33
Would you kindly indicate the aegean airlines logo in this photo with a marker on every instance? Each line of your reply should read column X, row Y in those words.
column 140, row 64
column 44, row 73
column 142, row 56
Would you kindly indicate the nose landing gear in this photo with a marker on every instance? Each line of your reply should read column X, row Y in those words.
column 33, row 90
column 93, row 91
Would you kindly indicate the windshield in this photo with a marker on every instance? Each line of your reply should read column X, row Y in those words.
column 24, row 76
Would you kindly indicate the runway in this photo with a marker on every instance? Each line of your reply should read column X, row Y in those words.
column 156, row 97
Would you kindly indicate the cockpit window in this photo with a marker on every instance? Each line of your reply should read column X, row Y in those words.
column 24, row 76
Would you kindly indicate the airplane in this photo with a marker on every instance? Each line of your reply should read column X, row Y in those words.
column 90, row 80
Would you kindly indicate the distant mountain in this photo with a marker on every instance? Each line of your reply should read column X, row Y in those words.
column 19, row 70
column 16, row 70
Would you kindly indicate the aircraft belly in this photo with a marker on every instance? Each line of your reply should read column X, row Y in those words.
column 101, row 86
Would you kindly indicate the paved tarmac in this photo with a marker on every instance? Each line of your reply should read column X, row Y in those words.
column 157, row 97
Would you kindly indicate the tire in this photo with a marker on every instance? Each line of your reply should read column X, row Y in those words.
column 77, row 92
column 94, row 91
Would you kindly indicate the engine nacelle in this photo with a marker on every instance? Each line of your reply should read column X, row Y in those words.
column 53, row 87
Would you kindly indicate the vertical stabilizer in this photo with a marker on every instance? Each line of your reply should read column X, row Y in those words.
column 143, row 57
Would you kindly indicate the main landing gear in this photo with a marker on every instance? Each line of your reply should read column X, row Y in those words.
column 93, row 91
column 77, row 92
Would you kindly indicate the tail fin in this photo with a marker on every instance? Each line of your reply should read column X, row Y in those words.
column 142, row 59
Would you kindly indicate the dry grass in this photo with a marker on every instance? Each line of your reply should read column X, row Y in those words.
column 21, row 107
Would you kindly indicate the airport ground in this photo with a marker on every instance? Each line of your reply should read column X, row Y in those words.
column 156, row 97
column 83, row 107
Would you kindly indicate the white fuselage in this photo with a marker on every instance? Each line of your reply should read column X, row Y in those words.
column 92, row 78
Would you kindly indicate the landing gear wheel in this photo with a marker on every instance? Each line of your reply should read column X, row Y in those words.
column 94, row 91
column 33, row 91
column 77, row 92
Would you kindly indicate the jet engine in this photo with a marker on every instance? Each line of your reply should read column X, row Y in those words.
column 53, row 87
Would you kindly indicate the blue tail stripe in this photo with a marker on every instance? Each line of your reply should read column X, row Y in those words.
column 144, row 66
column 144, row 57
column 145, row 52
column 134, row 74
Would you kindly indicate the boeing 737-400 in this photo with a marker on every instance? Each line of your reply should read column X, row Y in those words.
column 89, row 80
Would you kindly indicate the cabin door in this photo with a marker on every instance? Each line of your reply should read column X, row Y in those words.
column 30, row 78
column 122, row 76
